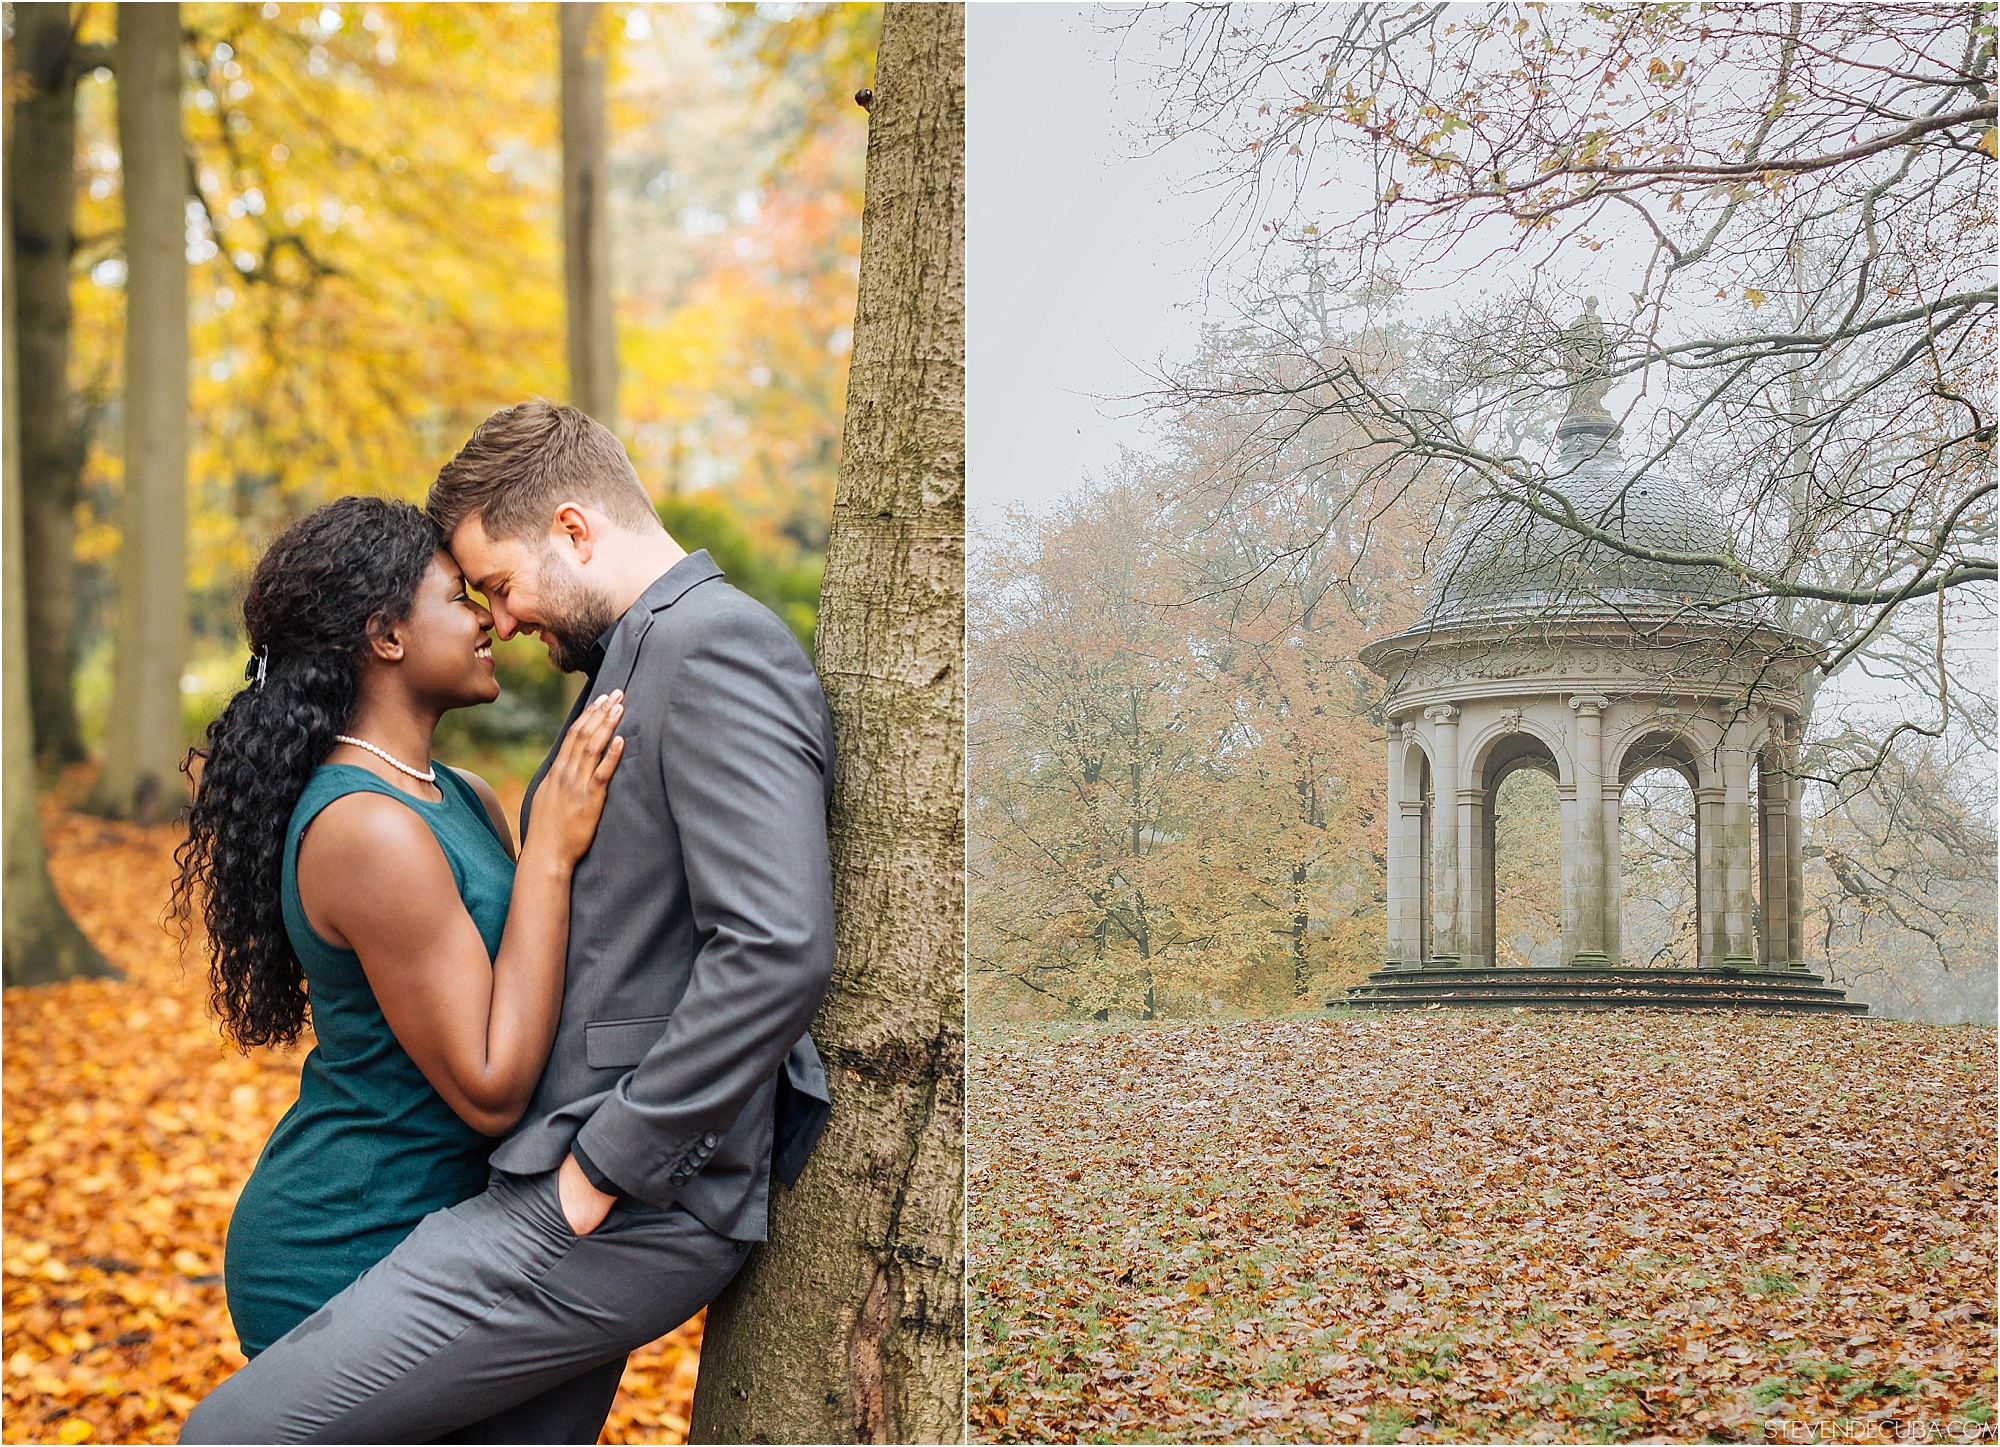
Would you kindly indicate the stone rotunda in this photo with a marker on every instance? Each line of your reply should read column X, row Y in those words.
column 1540, row 649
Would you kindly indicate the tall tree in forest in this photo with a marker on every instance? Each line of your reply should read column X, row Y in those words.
column 39, row 942
column 593, row 334
column 41, row 159
column 848, row 1327
column 143, row 741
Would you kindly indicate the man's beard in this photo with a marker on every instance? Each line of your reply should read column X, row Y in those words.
column 573, row 618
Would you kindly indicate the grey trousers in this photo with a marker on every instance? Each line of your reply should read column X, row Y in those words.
column 491, row 1322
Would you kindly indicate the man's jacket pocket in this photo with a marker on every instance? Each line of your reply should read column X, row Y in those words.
column 621, row 1044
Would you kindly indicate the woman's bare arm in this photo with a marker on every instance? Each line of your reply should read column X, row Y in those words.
column 374, row 879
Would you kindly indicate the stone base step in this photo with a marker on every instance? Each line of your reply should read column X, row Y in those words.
column 1596, row 987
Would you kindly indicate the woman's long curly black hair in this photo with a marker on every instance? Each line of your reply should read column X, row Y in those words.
column 321, row 591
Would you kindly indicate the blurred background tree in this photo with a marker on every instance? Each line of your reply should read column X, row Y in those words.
column 592, row 324
column 142, row 753
column 41, row 160
column 41, row 941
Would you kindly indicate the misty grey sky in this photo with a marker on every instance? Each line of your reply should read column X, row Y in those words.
column 1082, row 262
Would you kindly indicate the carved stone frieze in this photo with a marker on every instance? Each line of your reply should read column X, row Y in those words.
column 1693, row 670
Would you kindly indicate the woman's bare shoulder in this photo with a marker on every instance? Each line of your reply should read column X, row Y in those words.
column 363, row 828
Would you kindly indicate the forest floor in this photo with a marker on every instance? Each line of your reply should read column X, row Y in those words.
column 1516, row 1227
column 129, row 1129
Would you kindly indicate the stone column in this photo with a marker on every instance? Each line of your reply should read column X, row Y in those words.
column 1774, row 837
column 1396, row 947
column 1710, row 943
column 1795, row 856
column 1447, row 921
column 1739, row 948
column 1590, row 871
column 1472, row 857
column 1476, row 808
column 1784, row 897
column 1614, row 868
column 1566, row 809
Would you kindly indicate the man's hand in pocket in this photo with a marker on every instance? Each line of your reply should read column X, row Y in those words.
column 583, row 1205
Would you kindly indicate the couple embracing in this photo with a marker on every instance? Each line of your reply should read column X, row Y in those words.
column 550, row 1084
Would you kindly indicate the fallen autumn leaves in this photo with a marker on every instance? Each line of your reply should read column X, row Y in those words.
column 1513, row 1227
column 129, row 1129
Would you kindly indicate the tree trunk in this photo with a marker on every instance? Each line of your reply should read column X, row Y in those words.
column 593, row 335
column 849, row 1326
column 143, row 741
column 1301, row 920
column 42, row 163
column 39, row 942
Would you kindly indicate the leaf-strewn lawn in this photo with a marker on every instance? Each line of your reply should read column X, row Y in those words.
column 1520, row 1226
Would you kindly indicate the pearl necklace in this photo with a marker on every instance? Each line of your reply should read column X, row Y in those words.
column 428, row 776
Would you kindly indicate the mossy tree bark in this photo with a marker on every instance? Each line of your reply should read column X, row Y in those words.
column 39, row 942
column 41, row 161
column 848, row 1326
column 593, row 334
column 142, row 750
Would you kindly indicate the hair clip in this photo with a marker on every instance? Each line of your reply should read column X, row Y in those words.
column 263, row 662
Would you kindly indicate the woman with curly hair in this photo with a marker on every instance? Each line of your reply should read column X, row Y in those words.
column 347, row 879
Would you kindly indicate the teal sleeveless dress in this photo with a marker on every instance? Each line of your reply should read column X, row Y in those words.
column 370, row 1148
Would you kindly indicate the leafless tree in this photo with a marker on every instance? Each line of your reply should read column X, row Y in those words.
column 1788, row 211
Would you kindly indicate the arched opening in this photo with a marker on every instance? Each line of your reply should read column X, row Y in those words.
column 1659, row 914
column 1517, row 873
column 1527, row 867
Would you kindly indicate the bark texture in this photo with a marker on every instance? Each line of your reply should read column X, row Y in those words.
column 42, row 170
column 142, row 749
column 593, row 334
column 849, row 1326
column 39, row 942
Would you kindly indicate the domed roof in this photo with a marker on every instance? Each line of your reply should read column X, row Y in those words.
column 1505, row 562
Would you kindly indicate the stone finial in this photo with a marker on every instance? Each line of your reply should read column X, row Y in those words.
column 1586, row 358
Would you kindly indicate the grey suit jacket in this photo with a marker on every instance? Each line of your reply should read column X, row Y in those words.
column 701, row 920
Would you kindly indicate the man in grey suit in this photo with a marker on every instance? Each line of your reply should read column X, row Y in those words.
column 701, row 942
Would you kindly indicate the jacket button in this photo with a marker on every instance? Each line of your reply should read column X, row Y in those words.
column 708, row 1141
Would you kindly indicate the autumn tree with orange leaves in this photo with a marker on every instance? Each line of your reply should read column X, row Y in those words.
column 1176, row 759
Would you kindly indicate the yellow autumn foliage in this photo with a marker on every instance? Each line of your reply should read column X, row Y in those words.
column 375, row 265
